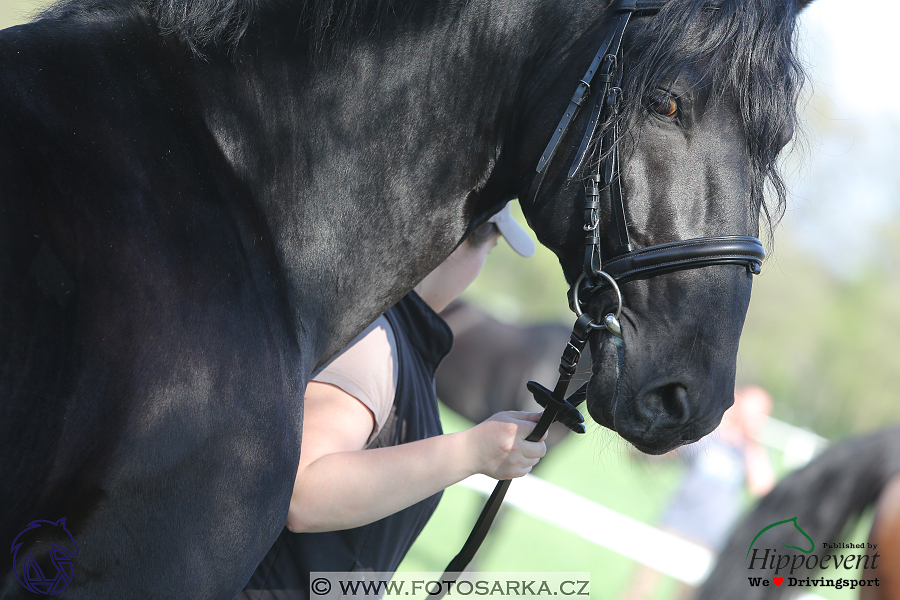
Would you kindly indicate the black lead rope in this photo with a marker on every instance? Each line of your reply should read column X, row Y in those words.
column 603, row 73
column 556, row 408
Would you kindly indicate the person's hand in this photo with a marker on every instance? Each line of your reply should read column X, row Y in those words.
column 499, row 446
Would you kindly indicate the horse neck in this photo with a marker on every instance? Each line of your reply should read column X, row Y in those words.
column 369, row 159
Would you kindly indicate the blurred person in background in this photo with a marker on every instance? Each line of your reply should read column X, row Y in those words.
column 709, row 498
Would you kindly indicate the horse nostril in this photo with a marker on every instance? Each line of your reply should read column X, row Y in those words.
column 666, row 405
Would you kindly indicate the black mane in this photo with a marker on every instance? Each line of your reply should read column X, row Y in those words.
column 210, row 25
column 749, row 44
column 748, row 49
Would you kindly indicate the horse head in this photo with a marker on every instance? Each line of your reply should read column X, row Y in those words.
column 703, row 100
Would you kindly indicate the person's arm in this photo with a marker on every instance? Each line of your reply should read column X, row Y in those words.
column 760, row 474
column 339, row 485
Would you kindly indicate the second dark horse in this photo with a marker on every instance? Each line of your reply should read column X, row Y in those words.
column 201, row 201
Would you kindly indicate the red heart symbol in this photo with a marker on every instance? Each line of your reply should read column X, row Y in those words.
column 778, row 580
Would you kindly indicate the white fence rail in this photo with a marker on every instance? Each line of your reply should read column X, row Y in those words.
column 658, row 549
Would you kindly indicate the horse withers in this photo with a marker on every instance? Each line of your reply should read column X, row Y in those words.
column 200, row 202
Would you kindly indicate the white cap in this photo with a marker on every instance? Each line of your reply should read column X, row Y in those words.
column 515, row 235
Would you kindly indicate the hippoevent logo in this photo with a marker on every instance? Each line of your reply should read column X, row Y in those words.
column 776, row 567
column 42, row 556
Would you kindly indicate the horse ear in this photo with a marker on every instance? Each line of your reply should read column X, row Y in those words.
column 802, row 4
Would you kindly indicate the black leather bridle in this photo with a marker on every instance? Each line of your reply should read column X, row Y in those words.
column 626, row 263
column 600, row 89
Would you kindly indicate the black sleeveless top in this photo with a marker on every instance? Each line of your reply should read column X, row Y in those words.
column 422, row 339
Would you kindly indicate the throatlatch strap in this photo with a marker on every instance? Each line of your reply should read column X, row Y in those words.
column 582, row 93
column 606, row 78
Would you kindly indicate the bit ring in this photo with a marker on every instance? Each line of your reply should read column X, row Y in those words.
column 615, row 287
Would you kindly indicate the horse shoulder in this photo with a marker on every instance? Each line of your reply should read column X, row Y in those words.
column 152, row 368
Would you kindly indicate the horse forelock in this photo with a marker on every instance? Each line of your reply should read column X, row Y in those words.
column 747, row 50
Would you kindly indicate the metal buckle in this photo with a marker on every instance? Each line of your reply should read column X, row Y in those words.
column 595, row 221
column 579, row 99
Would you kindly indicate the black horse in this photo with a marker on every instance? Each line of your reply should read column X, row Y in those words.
column 202, row 200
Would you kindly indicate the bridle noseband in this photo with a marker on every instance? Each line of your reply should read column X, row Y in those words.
column 600, row 88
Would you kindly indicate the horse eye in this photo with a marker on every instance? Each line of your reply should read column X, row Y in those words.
column 663, row 104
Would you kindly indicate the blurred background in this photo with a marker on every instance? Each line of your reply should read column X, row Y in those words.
column 822, row 334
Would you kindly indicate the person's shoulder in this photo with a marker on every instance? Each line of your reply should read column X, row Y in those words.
column 367, row 369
